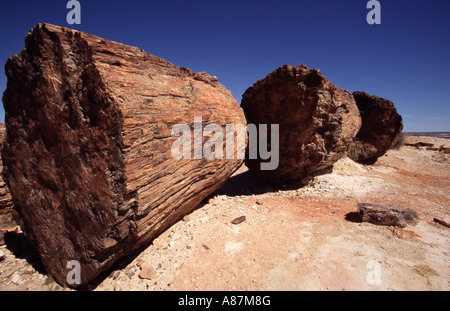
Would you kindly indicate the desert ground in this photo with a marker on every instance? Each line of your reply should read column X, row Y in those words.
column 303, row 236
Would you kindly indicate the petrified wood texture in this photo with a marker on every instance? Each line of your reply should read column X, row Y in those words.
column 387, row 214
column 317, row 120
column 380, row 130
column 88, row 153
column 6, row 203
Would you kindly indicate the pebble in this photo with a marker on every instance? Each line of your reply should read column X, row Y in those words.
column 157, row 243
column 148, row 272
column 259, row 202
column 172, row 244
column 16, row 279
column 239, row 220
column 116, row 275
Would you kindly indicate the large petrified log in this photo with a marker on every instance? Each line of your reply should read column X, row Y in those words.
column 6, row 203
column 317, row 120
column 88, row 152
column 380, row 130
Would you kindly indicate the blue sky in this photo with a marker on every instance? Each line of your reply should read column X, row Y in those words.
column 405, row 59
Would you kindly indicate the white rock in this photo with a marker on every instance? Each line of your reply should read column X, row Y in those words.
column 232, row 248
column 16, row 279
column 2, row 255
column 172, row 244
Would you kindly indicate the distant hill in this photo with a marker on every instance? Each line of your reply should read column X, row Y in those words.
column 431, row 134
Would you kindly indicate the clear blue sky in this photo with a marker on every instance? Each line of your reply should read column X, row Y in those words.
column 405, row 59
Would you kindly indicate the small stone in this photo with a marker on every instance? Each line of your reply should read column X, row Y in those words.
column 148, row 272
column 16, row 279
column 211, row 201
column 116, row 274
column 239, row 220
column 259, row 202
column 157, row 243
column 2, row 255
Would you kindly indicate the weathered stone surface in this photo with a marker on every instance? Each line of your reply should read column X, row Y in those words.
column 6, row 203
column 380, row 130
column 317, row 120
column 88, row 156
column 148, row 272
column 444, row 149
column 387, row 215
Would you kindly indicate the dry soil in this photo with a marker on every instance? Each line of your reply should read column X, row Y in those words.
column 305, row 236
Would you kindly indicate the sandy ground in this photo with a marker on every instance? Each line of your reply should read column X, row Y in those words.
column 305, row 236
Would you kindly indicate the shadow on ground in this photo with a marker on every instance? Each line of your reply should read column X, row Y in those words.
column 249, row 183
column 21, row 247
column 353, row 217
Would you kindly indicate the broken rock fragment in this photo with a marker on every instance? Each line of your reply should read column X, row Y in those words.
column 387, row 215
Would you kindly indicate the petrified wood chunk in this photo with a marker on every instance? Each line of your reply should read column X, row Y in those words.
column 88, row 153
column 317, row 120
column 380, row 130
column 387, row 214
column 6, row 203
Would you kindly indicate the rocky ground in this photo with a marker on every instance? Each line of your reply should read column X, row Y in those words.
column 305, row 236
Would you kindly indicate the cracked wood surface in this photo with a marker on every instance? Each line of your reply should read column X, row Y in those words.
column 88, row 153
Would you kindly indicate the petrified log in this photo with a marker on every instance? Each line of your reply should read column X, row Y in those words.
column 317, row 120
column 6, row 203
column 380, row 130
column 387, row 214
column 88, row 154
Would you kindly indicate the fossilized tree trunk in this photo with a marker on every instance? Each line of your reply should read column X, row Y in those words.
column 88, row 153
column 6, row 203
column 380, row 130
column 317, row 120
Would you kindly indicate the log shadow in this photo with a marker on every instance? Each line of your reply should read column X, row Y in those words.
column 353, row 217
column 22, row 248
column 249, row 183
column 123, row 262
